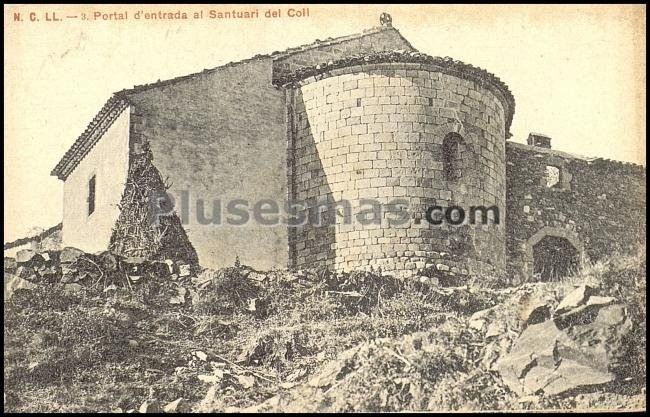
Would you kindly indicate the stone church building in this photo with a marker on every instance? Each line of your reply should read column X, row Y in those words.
column 358, row 117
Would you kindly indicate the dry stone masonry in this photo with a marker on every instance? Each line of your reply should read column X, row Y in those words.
column 598, row 206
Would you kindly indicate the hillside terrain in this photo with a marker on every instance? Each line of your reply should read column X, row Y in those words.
column 98, row 333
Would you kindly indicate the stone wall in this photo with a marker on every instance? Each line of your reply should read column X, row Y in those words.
column 49, row 239
column 221, row 134
column 597, row 205
column 376, row 131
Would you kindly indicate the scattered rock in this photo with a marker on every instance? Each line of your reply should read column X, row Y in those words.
column 256, row 276
column 574, row 299
column 26, row 272
column 179, row 298
column 72, row 288
column 203, row 279
column 246, row 381
column 194, row 297
column 210, row 379
column 150, row 406
column 200, row 355
column 596, row 300
column 14, row 283
column 184, row 270
column 178, row 406
column 25, row 255
column 552, row 359
column 69, row 255
column 479, row 319
column 10, row 264
column 495, row 328
column 535, row 308
column 297, row 374
column 210, row 402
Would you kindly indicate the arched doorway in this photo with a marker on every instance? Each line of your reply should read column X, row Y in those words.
column 554, row 258
column 552, row 253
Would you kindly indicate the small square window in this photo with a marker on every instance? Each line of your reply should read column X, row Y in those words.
column 552, row 176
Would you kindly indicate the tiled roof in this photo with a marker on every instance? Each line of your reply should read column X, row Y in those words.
column 446, row 65
column 119, row 101
column 276, row 56
column 87, row 140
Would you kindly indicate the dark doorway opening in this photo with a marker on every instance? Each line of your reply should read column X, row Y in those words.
column 554, row 258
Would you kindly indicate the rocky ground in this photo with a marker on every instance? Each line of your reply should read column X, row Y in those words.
column 101, row 333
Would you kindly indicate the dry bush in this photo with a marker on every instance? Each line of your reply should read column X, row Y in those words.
column 228, row 294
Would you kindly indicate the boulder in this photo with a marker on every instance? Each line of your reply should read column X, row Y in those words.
column 69, row 255
column 184, row 270
column 211, row 402
column 574, row 299
column 204, row 278
column 72, row 288
column 179, row 298
column 13, row 283
column 479, row 320
column 26, row 272
column 256, row 276
column 246, row 381
column 10, row 264
column 178, row 406
column 49, row 273
column 25, row 255
column 535, row 308
column 552, row 360
column 150, row 406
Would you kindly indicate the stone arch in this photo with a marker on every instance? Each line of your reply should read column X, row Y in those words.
column 452, row 132
column 455, row 126
column 548, row 231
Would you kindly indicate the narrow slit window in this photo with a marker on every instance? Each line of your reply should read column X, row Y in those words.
column 452, row 147
column 91, row 195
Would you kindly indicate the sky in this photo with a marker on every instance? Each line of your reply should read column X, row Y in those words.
column 577, row 72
